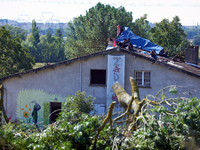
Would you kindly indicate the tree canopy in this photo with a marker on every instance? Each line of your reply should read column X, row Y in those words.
column 45, row 48
column 196, row 40
column 17, row 32
column 169, row 35
column 52, row 47
column 141, row 27
column 13, row 57
column 89, row 33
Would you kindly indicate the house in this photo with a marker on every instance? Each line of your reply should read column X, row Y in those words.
column 42, row 90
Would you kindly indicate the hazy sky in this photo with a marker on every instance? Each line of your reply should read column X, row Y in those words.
column 64, row 10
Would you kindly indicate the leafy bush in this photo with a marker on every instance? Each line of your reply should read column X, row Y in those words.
column 158, row 127
column 167, row 130
column 74, row 129
column 80, row 102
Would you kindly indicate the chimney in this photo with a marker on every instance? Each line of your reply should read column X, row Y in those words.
column 192, row 55
column 110, row 42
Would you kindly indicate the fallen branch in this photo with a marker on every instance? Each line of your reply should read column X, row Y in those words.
column 108, row 118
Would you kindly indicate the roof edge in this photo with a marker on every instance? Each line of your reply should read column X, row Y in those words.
column 135, row 53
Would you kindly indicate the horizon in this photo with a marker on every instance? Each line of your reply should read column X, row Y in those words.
column 56, row 11
column 66, row 22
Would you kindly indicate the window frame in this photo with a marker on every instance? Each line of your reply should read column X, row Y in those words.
column 143, row 82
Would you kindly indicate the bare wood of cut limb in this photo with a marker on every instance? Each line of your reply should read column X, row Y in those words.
column 130, row 102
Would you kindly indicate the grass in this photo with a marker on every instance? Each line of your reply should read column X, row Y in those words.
column 37, row 65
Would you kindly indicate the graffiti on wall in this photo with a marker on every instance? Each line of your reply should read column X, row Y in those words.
column 30, row 105
column 116, row 73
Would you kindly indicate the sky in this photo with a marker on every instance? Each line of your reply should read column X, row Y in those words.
column 65, row 10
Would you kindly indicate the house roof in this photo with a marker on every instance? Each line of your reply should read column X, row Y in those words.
column 183, row 67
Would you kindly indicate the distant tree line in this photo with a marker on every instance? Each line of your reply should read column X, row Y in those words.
column 193, row 34
column 45, row 48
column 43, row 27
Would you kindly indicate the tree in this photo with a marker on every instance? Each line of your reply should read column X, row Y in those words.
column 17, row 32
column 80, row 102
column 32, row 43
column 89, row 33
column 60, row 45
column 169, row 35
column 190, row 33
column 35, row 33
column 52, row 47
column 58, row 33
column 13, row 57
column 196, row 40
column 141, row 27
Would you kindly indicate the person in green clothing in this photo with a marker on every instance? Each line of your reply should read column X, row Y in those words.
column 36, row 108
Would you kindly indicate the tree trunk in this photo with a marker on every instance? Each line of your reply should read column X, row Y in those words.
column 124, row 98
column 2, row 110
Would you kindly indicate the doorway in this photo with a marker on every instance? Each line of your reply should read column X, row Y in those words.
column 55, row 109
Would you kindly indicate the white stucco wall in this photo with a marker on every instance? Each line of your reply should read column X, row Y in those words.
column 160, row 77
column 65, row 80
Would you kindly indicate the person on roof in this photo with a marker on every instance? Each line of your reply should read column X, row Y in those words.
column 153, row 54
column 126, row 44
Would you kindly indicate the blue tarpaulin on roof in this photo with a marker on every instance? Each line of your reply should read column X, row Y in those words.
column 139, row 42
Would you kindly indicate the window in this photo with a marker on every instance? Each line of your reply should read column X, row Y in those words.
column 143, row 78
column 98, row 77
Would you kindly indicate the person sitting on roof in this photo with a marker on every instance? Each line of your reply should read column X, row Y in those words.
column 126, row 44
column 153, row 54
column 164, row 54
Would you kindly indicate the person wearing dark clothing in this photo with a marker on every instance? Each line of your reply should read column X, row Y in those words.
column 153, row 54
column 35, row 112
column 126, row 43
column 164, row 54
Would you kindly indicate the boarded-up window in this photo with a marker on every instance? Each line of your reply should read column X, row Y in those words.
column 97, row 76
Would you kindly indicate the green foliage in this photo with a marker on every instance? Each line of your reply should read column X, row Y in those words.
column 192, row 31
column 89, row 33
column 73, row 130
column 163, row 130
column 169, row 35
column 80, row 102
column 58, row 33
column 173, row 90
column 59, row 45
column 196, row 40
column 32, row 42
column 159, row 127
column 13, row 57
column 77, row 128
column 141, row 27
column 35, row 33
column 17, row 32
column 46, row 48
column 37, row 65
